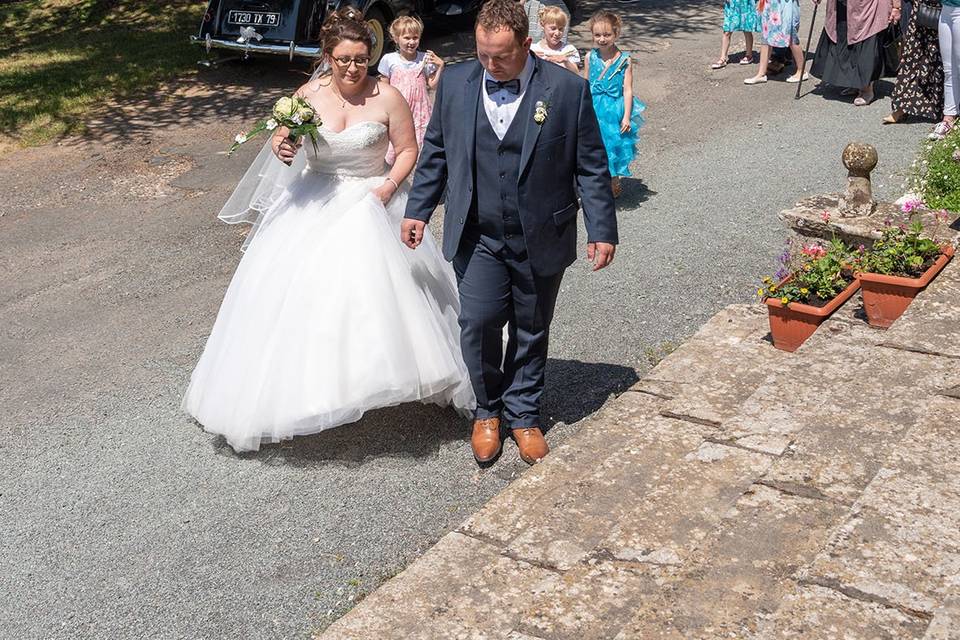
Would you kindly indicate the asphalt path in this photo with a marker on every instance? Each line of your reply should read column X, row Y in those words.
column 120, row 518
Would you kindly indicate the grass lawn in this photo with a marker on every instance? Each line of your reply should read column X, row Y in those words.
column 59, row 59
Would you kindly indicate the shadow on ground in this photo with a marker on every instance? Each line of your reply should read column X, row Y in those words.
column 574, row 391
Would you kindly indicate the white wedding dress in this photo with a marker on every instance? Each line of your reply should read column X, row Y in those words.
column 328, row 314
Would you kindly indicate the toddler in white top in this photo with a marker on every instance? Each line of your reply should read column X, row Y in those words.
column 551, row 48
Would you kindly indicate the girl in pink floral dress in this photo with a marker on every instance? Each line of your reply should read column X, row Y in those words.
column 412, row 72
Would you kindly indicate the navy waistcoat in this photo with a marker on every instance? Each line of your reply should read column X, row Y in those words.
column 496, row 201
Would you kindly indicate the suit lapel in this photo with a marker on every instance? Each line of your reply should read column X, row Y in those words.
column 538, row 91
column 471, row 97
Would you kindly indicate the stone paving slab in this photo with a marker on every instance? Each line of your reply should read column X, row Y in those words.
column 742, row 572
column 594, row 600
column 818, row 613
column 681, row 511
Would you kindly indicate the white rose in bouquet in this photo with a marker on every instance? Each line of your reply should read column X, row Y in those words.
column 305, row 113
column 283, row 109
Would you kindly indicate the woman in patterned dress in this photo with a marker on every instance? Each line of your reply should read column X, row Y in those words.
column 780, row 28
column 919, row 88
column 738, row 15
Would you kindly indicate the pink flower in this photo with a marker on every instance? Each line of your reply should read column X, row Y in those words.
column 813, row 251
column 942, row 216
column 825, row 216
column 775, row 18
column 908, row 206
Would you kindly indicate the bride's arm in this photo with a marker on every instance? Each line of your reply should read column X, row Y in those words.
column 403, row 138
column 280, row 143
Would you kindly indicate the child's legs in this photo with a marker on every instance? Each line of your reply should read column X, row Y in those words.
column 748, row 42
column 797, row 55
column 725, row 46
column 764, row 59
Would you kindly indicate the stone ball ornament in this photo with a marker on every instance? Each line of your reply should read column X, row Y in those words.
column 860, row 158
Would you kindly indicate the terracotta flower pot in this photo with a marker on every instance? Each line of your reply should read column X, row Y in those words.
column 792, row 324
column 885, row 298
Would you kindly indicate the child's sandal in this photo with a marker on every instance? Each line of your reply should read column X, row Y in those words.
column 719, row 64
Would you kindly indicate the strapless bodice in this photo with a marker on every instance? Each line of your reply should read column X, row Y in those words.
column 355, row 152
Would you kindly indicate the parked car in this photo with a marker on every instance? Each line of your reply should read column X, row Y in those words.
column 292, row 27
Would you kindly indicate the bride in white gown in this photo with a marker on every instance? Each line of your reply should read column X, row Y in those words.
column 328, row 314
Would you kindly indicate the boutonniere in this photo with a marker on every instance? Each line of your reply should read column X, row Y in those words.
column 540, row 112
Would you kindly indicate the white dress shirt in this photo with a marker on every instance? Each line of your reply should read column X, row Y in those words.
column 501, row 106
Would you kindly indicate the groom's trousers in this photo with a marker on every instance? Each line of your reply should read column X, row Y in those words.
column 498, row 288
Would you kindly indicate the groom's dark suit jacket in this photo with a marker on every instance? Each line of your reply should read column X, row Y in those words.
column 559, row 157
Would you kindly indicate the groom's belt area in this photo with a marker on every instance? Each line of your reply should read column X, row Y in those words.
column 487, row 223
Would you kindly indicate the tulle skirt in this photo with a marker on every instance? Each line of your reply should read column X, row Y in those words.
column 621, row 147
column 327, row 316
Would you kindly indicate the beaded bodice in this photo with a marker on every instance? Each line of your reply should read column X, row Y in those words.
column 355, row 152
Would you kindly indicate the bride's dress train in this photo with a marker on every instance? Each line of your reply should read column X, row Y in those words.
column 328, row 314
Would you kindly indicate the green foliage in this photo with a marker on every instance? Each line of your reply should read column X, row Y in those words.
column 901, row 251
column 811, row 274
column 938, row 177
column 60, row 60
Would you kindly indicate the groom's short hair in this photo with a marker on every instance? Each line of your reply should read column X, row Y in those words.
column 504, row 14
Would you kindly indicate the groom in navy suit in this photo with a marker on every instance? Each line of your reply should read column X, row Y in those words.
column 512, row 139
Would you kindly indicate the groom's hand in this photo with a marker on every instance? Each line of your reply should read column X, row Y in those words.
column 600, row 254
column 411, row 232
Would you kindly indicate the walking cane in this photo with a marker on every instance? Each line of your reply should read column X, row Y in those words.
column 803, row 68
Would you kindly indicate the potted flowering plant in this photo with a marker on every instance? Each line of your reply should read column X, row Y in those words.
column 812, row 283
column 900, row 265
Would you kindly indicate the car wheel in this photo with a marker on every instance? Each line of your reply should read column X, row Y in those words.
column 377, row 22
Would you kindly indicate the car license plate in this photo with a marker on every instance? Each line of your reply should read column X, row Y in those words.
column 254, row 18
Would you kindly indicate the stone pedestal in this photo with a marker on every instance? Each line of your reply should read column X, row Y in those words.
column 860, row 159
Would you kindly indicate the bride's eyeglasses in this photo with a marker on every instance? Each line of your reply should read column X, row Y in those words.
column 344, row 62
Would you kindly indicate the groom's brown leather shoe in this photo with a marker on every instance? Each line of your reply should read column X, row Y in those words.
column 486, row 439
column 531, row 444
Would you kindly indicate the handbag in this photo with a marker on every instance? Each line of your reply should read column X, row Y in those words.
column 928, row 15
column 890, row 41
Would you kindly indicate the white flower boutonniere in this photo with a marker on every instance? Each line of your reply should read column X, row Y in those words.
column 540, row 112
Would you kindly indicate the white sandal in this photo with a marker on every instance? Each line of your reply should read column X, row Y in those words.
column 755, row 80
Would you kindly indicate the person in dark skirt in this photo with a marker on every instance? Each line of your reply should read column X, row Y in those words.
column 850, row 51
column 919, row 88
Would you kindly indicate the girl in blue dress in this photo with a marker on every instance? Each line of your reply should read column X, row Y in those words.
column 611, row 83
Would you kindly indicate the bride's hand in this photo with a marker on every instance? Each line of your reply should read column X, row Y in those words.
column 385, row 191
column 284, row 149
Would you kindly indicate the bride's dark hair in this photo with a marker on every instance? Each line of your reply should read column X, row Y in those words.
column 345, row 24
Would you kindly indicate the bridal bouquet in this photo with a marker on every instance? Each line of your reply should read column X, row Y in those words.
column 294, row 112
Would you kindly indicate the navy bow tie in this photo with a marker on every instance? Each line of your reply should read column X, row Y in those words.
column 513, row 86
